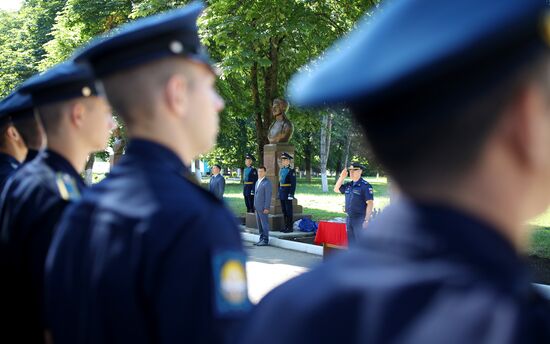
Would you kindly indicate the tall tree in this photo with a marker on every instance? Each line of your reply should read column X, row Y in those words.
column 326, row 130
column 262, row 43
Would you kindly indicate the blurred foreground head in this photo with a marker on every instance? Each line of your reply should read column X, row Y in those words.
column 443, row 87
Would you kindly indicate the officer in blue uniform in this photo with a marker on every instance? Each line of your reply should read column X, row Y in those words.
column 147, row 255
column 13, row 148
column 455, row 120
column 20, row 108
column 250, row 178
column 77, row 122
column 287, row 187
column 359, row 200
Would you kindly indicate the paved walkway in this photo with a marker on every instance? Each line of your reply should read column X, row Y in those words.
column 269, row 266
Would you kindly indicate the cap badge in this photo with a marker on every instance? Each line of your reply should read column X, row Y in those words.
column 176, row 47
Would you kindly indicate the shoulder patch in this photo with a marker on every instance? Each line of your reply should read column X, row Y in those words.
column 67, row 187
column 230, row 283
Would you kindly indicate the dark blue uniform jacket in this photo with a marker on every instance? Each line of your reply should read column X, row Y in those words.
column 8, row 165
column 250, row 178
column 146, row 256
column 30, row 207
column 421, row 274
column 357, row 194
column 287, row 183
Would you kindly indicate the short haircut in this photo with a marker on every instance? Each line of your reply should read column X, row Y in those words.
column 51, row 115
column 424, row 142
column 218, row 166
column 138, row 89
column 262, row 168
column 28, row 127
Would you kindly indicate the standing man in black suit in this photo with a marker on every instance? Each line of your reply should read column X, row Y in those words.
column 217, row 182
column 262, row 203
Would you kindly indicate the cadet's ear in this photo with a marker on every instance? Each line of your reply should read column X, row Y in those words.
column 12, row 133
column 76, row 113
column 176, row 94
column 527, row 126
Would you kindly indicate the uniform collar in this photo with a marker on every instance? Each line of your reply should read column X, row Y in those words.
column 9, row 159
column 31, row 154
column 430, row 231
column 154, row 154
column 58, row 163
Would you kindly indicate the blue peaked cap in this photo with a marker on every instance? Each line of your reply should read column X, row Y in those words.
column 174, row 33
column 411, row 43
column 64, row 81
column 16, row 104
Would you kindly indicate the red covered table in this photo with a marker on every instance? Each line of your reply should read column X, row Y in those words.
column 332, row 235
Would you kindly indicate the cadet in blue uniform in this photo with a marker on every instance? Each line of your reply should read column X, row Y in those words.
column 77, row 122
column 13, row 148
column 455, row 120
column 147, row 255
column 287, row 187
column 359, row 200
column 250, row 178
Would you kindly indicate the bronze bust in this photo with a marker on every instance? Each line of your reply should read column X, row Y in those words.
column 281, row 129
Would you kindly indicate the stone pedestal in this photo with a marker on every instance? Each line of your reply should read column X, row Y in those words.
column 272, row 152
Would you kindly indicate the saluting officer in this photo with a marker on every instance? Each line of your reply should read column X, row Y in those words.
column 147, row 255
column 359, row 200
column 287, row 187
column 77, row 121
column 250, row 178
column 457, row 120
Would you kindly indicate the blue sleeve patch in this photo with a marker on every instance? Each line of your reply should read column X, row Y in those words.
column 230, row 284
column 67, row 187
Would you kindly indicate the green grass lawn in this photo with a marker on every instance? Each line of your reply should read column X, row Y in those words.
column 323, row 206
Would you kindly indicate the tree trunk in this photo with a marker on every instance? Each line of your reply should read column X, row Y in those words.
column 307, row 159
column 262, row 107
column 348, row 145
column 261, row 132
column 88, row 170
column 326, row 128
column 198, row 173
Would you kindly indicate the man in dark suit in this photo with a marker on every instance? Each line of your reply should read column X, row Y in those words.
column 217, row 182
column 262, row 203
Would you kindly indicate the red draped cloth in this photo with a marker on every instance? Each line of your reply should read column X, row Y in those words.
column 333, row 233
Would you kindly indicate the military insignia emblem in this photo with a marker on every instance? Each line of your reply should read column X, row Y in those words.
column 67, row 187
column 230, row 283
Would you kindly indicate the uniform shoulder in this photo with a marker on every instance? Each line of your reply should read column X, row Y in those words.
column 35, row 174
column 350, row 288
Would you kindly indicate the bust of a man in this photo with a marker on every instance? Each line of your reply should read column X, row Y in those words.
column 281, row 129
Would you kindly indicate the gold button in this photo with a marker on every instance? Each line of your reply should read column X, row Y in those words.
column 86, row 91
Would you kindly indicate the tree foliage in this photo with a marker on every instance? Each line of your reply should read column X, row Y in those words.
column 258, row 44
